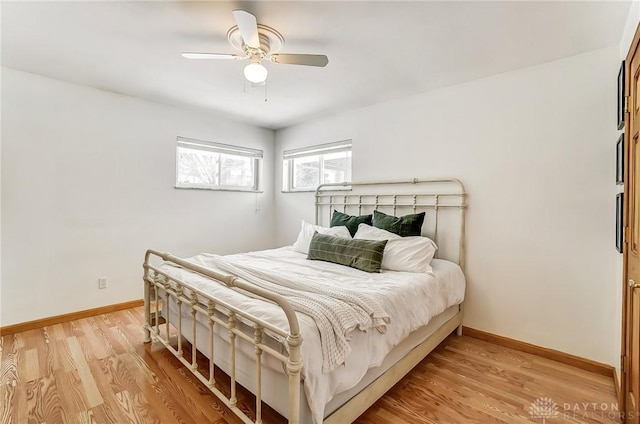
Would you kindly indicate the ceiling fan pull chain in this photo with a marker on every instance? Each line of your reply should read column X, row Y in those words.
column 265, row 91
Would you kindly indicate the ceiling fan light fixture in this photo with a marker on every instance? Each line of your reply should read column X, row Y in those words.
column 258, row 42
column 255, row 72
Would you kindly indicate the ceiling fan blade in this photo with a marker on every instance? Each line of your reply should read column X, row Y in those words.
column 192, row 55
column 300, row 59
column 248, row 28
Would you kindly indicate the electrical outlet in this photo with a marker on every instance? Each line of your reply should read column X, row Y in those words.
column 102, row 282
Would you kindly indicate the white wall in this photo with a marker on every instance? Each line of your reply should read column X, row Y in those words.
column 536, row 150
column 1, row 69
column 87, row 187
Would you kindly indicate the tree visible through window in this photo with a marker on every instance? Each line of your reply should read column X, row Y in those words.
column 201, row 164
column 197, row 167
column 305, row 169
column 306, row 172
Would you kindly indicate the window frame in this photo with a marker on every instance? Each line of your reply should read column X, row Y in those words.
column 256, row 155
column 288, row 156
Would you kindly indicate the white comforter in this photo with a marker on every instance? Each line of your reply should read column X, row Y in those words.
column 410, row 299
column 337, row 307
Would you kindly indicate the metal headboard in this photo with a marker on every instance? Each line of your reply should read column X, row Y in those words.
column 443, row 200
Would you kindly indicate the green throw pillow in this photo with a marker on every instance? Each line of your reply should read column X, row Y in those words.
column 365, row 255
column 408, row 225
column 339, row 219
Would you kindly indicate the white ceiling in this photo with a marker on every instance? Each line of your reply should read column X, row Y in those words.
column 377, row 50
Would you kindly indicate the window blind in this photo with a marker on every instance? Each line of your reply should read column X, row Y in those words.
column 191, row 143
column 335, row 147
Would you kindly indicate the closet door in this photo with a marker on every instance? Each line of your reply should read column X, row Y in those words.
column 631, row 288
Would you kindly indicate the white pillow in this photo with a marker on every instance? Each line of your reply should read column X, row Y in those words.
column 306, row 233
column 408, row 254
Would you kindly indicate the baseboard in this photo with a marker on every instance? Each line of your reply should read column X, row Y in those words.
column 58, row 319
column 556, row 355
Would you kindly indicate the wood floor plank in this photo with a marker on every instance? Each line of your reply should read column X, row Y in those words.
column 7, row 403
column 72, row 396
column 63, row 358
column 43, row 401
column 91, row 392
column 56, row 332
column 127, row 407
column 86, row 417
column 107, row 413
column 31, row 371
column 97, row 371
column 47, row 356
column 68, row 328
column 108, row 337
column 8, row 364
column 18, row 385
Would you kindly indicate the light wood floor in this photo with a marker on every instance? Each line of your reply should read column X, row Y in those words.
column 97, row 370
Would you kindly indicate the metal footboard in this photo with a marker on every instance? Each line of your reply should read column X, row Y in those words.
column 160, row 287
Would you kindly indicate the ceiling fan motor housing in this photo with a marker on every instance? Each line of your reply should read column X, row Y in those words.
column 271, row 41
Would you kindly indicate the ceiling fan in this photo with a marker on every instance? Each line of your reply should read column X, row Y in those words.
column 258, row 42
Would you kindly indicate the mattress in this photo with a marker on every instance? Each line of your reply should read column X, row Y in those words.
column 412, row 300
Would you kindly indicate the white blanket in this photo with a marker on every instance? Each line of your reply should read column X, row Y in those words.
column 335, row 307
column 410, row 299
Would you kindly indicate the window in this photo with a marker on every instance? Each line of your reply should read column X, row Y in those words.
column 305, row 169
column 203, row 164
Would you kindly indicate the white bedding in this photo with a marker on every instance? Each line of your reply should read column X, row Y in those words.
column 410, row 299
column 336, row 306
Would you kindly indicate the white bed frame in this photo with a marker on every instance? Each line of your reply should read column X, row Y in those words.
column 444, row 201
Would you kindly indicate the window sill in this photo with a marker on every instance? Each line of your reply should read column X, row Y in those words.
column 313, row 190
column 249, row 190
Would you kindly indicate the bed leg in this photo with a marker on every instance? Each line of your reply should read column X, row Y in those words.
column 147, row 335
column 147, row 301
column 459, row 329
